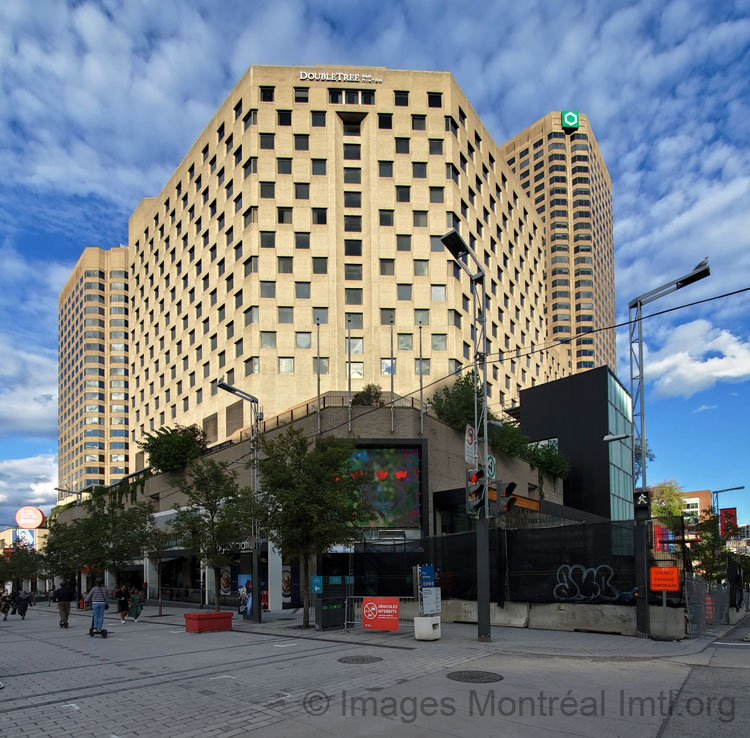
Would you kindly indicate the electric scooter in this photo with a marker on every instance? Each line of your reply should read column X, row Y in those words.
column 93, row 632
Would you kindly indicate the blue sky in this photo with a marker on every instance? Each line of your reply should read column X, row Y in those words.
column 99, row 101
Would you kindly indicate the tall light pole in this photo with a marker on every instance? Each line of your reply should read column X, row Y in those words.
column 458, row 249
column 256, row 415
column 638, row 398
column 715, row 493
column 637, row 388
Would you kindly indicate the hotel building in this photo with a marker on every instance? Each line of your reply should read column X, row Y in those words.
column 561, row 170
column 93, row 444
column 314, row 202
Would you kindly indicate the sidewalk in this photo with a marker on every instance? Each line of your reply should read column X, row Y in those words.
column 505, row 640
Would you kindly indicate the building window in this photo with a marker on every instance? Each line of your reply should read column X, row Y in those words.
column 439, row 342
column 419, row 122
column 267, row 239
column 266, row 94
column 387, row 316
column 434, row 99
column 303, row 340
column 355, row 369
column 319, row 167
column 301, row 191
column 302, row 290
column 318, row 118
column 385, row 168
column 252, row 366
column 387, row 267
column 353, row 272
column 284, row 265
column 352, row 151
column 401, row 98
column 438, row 293
column 320, row 265
column 268, row 289
column 284, row 117
column 266, row 140
column 283, row 166
column 320, row 366
column 319, row 216
column 436, row 146
column 403, row 243
column 421, row 366
column 420, row 218
column 286, row 315
column 286, row 365
column 301, row 94
column 385, row 120
column 284, row 215
column 353, row 223
column 352, row 199
column 402, row 145
column 403, row 291
column 320, row 316
column 352, row 247
column 267, row 189
column 421, row 317
column 301, row 142
column 403, row 193
column 268, row 339
column 353, row 296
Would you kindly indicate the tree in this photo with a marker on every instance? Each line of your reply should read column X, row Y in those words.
column 638, row 458
column 25, row 563
column 369, row 395
column 112, row 534
column 455, row 406
column 64, row 550
column 309, row 498
column 710, row 553
column 666, row 498
column 156, row 544
column 217, row 512
column 171, row 449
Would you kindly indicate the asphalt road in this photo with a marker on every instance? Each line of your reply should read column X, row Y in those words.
column 152, row 679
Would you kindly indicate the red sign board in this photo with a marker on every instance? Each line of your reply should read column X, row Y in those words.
column 380, row 613
column 664, row 577
column 728, row 517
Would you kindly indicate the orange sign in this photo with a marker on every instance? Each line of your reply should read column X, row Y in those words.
column 29, row 517
column 380, row 613
column 665, row 577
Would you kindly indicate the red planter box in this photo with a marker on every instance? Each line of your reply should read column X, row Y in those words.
column 208, row 622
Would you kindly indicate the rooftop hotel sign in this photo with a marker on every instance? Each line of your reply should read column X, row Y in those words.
column 339, row 77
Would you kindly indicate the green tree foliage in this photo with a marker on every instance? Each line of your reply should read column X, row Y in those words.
column 24, row 563
column 215, row 513
column 666, row 498
column 454, row 405
column 171, row 449
column 64, row 550
column 710, row 553
column 309, row 498
column 369, row 395
column 112, row 533
column 638, row 458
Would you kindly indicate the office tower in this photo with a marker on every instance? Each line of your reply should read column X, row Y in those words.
column 313, row 203
column 560, row 168
column 93, row 374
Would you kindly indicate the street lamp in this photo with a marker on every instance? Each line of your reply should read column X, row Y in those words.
column 638, row 398
column 459, row 250
column 715, row 493
column 637, row 390
column 256, row 415
column 611, row 437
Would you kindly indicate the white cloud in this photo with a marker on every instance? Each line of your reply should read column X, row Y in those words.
column 704, row 408
column 29, row 481
column 695, row 357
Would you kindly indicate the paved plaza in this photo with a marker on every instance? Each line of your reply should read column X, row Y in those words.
column 152, row 679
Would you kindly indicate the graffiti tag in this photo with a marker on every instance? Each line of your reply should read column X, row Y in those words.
column 576, row 583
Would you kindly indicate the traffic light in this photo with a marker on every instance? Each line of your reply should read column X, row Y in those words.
column 475, row 491
column 505, row 492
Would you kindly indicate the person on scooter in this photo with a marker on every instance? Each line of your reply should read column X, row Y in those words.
column 97, row 596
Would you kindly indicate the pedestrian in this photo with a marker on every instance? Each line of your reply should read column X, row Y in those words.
column 5, row 604
column 97, row 596
column 22, row 603
column 135, row 604
column 63, row 596
column 123, row 601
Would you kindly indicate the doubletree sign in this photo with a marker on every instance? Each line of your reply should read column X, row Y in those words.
column 570, row 119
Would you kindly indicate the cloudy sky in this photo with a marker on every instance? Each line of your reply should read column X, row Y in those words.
column 99, row 101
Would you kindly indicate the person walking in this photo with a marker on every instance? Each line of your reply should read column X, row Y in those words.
column 5, row 604
column 136, row 605
column 97, row 596
column 22, row 602
column 63, row 596
column 123, row 601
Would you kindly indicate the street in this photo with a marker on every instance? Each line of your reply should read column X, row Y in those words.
column 152, row 679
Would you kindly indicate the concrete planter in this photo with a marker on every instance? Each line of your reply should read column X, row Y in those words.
column 427, row 628
column 208, row 622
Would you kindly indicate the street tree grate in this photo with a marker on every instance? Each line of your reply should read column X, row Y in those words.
column 359, row 659
column 475, row 677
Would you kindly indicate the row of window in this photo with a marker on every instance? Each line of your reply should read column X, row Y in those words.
column 336, row 96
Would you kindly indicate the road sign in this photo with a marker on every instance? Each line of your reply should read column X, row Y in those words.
column 470, row 445
column 316, row 585
column 491, row 467
column 664, row 578
column 380, row 613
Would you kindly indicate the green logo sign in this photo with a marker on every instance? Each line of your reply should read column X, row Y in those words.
column 569, row 119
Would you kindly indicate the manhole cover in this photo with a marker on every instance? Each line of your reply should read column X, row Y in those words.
column 359, row 659
column 475, row 677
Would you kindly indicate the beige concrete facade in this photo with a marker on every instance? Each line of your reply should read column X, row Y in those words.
column 314, row 201
column 93, row 444
column 563, row 173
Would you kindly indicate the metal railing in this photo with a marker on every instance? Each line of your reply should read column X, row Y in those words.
column 407, row 610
